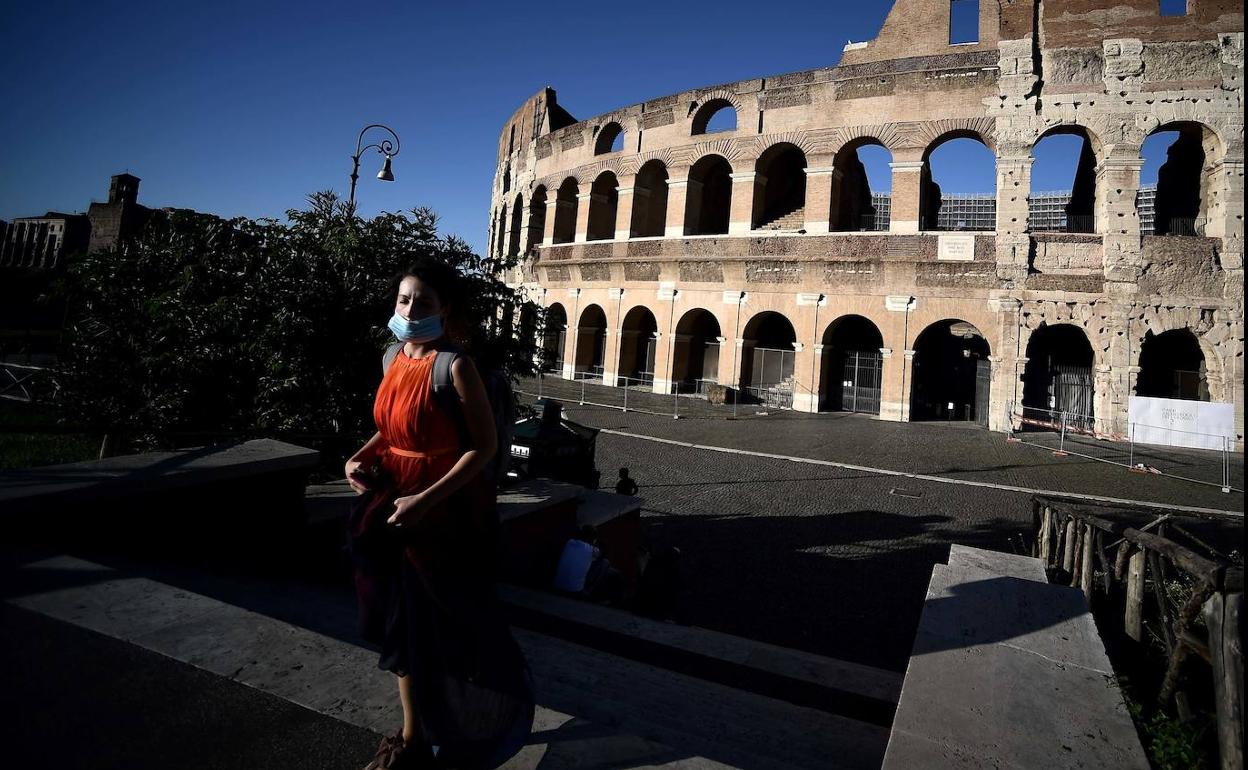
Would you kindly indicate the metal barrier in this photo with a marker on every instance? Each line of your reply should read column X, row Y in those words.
column 630, row 394
column 1073, row 438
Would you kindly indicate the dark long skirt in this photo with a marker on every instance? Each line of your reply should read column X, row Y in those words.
column 428, row 599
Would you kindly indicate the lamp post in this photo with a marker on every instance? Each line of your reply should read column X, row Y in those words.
column 385, row 147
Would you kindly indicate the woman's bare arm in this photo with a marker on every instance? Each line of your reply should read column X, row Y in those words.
column 475, row 407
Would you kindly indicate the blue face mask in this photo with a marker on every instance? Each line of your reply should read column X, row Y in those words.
column 418, row 331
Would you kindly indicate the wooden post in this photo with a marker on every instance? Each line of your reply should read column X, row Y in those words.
column 1068, row 553
column 1085, row 576
column 1226, row 647
column 1159, row 593
column 1046, row 524
column 1135, row 596
column 1120, row 560
column 1075, row 571
column 1107, row 571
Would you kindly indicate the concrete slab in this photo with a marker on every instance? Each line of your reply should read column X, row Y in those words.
column 1009, row 564
column 1000, row 661
column 116, row 477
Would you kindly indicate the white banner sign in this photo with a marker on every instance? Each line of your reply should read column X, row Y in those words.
column 1174, row 422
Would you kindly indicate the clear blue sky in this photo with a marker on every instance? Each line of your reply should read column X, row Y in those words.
column 244, row 108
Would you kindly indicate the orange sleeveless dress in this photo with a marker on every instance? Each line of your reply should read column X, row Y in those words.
column 422, row 438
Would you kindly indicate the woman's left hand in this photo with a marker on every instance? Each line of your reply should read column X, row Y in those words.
column 408, row 510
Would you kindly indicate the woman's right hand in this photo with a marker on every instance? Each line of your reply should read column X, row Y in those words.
column 356, row 476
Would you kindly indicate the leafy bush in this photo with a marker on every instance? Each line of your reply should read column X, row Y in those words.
column 259, row 326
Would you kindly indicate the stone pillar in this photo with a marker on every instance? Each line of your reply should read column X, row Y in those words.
column 1006, row 391
column 584, row 200
column 624, row 206
column 891, row 386
column 1119, row 178
column 741, row 216
column 907, row 371
column 907, row 166
column 1102, row 400
column 1226, row 216
column 571, row 335
column 552, row 211
column 611, row 356
column 805, row 370
column 1121, row 358
column 1013, row 215
column 819, row 179
column 663, row 340
column 723, row 372
column 677, row 195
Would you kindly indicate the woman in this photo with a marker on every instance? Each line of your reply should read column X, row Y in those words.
column 423, row 537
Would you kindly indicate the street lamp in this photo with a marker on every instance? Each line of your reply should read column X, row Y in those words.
column 385, row 147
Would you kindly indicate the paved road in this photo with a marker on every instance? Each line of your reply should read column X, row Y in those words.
column 832, row 560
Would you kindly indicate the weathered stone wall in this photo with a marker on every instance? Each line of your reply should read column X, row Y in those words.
column 1115, row 73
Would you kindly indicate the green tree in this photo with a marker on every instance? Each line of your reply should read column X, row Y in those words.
column 259, row 326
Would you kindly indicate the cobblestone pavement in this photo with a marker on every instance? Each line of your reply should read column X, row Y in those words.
column 832, row 560
column 952, row 450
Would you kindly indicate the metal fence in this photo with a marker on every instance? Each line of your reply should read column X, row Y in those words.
column 1068, row 433
column 25, row 383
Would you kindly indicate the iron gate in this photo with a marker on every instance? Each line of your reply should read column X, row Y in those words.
column 1072, row 394
column 861, row 377
column 983, row 390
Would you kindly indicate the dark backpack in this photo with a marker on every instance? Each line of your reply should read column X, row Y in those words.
column 497, row 390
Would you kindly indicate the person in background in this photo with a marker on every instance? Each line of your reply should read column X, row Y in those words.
column 625, row 486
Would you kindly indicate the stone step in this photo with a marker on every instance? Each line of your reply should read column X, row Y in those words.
column 791, row 220
column 595, row 709
column 999, row 658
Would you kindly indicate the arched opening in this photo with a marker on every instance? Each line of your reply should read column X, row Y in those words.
column 780, row 189
column 767, row 360
column 695, row 361
column 610, row 139
column 604, row 199
column 1063, row 182
column 713, row 117
column 526, row 330
column 1172, row 365
column 649, row 218
column 958, row 185
column 1057, row 381
column 952, row 376
column 638, row 336
column 565, row 211
column 861, row 187
column 537, row 219
column 709, row 196
column 554, row 338
column 853, row 366
column 591, row 343
column 517, row 218
column 1176, row 179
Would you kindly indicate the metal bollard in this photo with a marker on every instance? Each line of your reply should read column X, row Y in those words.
column 626, row 389
column 1226, row 465
column 1061, row 444
column 540, row 379
column 582, row 392
column 675, row 404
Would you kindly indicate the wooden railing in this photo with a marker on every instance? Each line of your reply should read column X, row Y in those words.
column 1075, row 542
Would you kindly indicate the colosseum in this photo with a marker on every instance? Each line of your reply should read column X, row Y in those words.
column 727, row 239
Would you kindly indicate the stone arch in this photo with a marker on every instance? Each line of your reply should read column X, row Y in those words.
column 537, row 218
column 701, row 114
column 607, row 136
column 932, row 199
column 649, row 215
column 1199, row 323
column 951, row 373
column 591, row 343
column 708, row 197
column 853, row 205
column 554, row 337
column 1187, row 189
column 566, row 203
column 1076, row 212
column 513, row 233
column 604, row 201
column 638, row 340
column 851, row 370
column 1059, row 377
column 696, row 351
column 779, row 188
column 768, row 354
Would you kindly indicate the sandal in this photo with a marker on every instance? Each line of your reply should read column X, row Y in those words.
column 390, row 746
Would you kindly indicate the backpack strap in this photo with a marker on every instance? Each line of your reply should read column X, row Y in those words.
column 387, row 358
column 445, row 394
